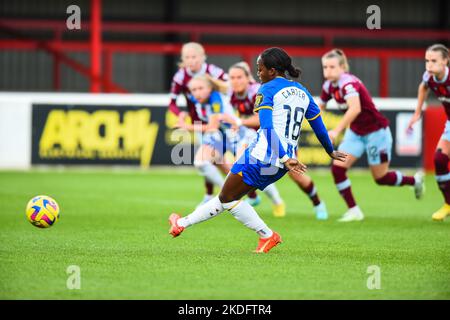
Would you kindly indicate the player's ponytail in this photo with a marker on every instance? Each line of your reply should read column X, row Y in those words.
column 279, row 60
column 340, row 55
column 442, row 49
column 293, row 71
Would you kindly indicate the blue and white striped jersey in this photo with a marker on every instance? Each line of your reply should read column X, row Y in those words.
column 290, row 102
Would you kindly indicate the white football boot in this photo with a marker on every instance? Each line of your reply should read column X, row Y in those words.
column 353, row 214
column 419, row 186
column 321, row 211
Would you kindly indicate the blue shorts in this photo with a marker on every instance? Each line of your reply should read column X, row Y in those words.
column 255, row 173
column 446, row 134
column 377, row 145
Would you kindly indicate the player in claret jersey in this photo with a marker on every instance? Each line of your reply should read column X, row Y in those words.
column 193, row 62
column 218, row 137
column 282, row 105
column 437, row 79
column 368, row 132
column 243, row 93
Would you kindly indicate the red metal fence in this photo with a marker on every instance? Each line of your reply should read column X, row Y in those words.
column 100, row 74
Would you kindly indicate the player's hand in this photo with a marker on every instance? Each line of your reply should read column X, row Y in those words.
column 231, row 120
column 181, row 123
column 416, row 117
column 295, row 166
column 224, row 117
column 214, row 123
column 339, row 156
column 333, row 135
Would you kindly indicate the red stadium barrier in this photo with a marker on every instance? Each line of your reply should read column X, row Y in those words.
column 195, row 30
column 246, row 52
column 58, row 48
column 434, row 122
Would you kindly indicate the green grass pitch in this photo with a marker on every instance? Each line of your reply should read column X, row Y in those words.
column 113, row 225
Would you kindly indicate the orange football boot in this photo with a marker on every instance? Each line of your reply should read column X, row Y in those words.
column 175, row 229
column 265, row 244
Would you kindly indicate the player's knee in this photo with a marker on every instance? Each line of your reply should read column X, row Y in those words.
column 224, row 198
column 440, row 161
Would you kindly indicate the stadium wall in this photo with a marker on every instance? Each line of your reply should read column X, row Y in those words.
column 137, row 129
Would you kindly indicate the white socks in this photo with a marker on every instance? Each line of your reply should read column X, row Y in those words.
column 204, row 212
column 241, row 210
column 210, row 172
column 272, row 192
column 245, row 214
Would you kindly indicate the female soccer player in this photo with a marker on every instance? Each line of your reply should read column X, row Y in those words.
column 436, row 77
column 193, row 62
column 244, row 89
column 368, row 132
column 282, row 104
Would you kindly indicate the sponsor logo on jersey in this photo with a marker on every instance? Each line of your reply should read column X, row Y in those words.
column 258, row 99
column 216, row 107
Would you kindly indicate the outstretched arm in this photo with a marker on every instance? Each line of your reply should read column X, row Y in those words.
column 252, row 121
column 354, row 109
column 175, row 90
column 315, row 121
column 212, row 125
column 422, row 93
column 321, row 133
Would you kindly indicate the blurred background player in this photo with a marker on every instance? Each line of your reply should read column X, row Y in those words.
column 368, row 132
column 437, row 79
column 282, row 104
column 211, row 103
column 244, row 89
column 193, row 62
